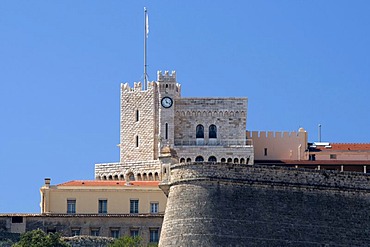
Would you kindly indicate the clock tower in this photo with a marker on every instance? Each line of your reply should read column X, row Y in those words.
column 169, row 90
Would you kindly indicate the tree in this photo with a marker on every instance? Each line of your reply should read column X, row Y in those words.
column 127, row 241
column 38, row 238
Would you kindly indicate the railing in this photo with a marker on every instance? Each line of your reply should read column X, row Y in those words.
column 214, row 142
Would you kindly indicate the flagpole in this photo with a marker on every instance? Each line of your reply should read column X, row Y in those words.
column 145, row 39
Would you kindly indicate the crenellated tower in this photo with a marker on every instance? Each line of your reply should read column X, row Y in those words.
column 139, row 123
column 169, row 91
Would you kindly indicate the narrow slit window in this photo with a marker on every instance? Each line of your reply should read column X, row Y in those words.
column 265, row 151
column 137, row 115
column 137, row 141
column 166, row 134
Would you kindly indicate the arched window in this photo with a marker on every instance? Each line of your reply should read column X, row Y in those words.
column 236, row 160
column 199, row 131
column 150, row 176
column 242, row 161
column 212, row 131
column 188, row 160
column 182, row 160
column 223, row 160
column 156, row 177
column 115, row 177
column 229, row 160
column 138, row 177
column 110, row 177
column 145, row 177
column 130, row 176
column 121, row 177
column 104, row 177
column 212, row 159
column 199, row 159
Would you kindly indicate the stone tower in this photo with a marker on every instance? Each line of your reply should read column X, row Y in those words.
column 169, row 90
column 139, row 123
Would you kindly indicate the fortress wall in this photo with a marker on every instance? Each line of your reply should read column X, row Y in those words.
column 235, row 205
column 279, row 145
column 228, row 114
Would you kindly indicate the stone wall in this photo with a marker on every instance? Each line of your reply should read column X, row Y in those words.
column 236, row 205
column 85, row 223
column 228, row 114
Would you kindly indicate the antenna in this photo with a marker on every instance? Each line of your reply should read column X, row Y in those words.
column 146, row 32
column 319, row 132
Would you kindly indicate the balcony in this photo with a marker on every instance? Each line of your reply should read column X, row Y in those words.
column 215, row 142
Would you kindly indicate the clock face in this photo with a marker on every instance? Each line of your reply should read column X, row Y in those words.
column 166, row 102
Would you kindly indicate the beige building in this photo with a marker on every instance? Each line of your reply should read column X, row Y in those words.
column 102, row 197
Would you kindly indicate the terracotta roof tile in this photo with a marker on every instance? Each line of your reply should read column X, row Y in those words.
column 110, row 183
column 350, row 146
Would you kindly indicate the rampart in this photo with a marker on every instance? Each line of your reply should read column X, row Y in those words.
column 217, row 204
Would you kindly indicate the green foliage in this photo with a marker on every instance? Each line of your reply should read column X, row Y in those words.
column 127, row 241
column 38, row 238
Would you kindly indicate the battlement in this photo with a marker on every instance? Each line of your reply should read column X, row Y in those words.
column 166, row 76
column 125, row 87
column 275, row 134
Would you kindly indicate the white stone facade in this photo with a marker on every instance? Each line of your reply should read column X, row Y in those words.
column 209, row 129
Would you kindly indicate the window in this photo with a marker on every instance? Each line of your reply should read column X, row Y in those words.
column 75, row 231
column 134, row 206
column 166, row 129
column 114, row 232
column 130, row 176
column 333, row 156
column 95, row 232
column 236, row 160
column 182, row 160
column 212, row 159
column 265, row 151
column 137, row 115
column 154, row 235
column 212, row 131
column 137, row 141
column 223, row 160
column 71, row 206
column 134, row 232
column 154, row 207
column 229, row 160
column 199, row 159
column 188, row 160
column 242, row 161
column 17, row 219
column 103, row 206
column 199, row 131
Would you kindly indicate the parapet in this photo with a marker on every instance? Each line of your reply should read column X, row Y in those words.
column 125, row 87
column 275, row 134
column 166, row 76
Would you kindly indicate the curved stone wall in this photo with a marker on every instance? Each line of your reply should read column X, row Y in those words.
column 235, row 205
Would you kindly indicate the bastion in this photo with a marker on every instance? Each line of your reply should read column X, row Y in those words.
column 219, row 204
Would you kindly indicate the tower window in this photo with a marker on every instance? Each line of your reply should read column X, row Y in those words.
column 137, row 115
column 137, row 141
column 199, row 131
column 212, row 131
column 166, row 131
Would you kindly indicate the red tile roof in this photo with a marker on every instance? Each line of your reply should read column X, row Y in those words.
column 110, row 183
column 350, row 146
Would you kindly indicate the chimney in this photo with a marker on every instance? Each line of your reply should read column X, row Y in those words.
column 47, row 182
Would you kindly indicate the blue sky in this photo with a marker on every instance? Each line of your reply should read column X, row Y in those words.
column 300, row 63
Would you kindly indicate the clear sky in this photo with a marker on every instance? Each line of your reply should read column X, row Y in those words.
column 300, row 63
